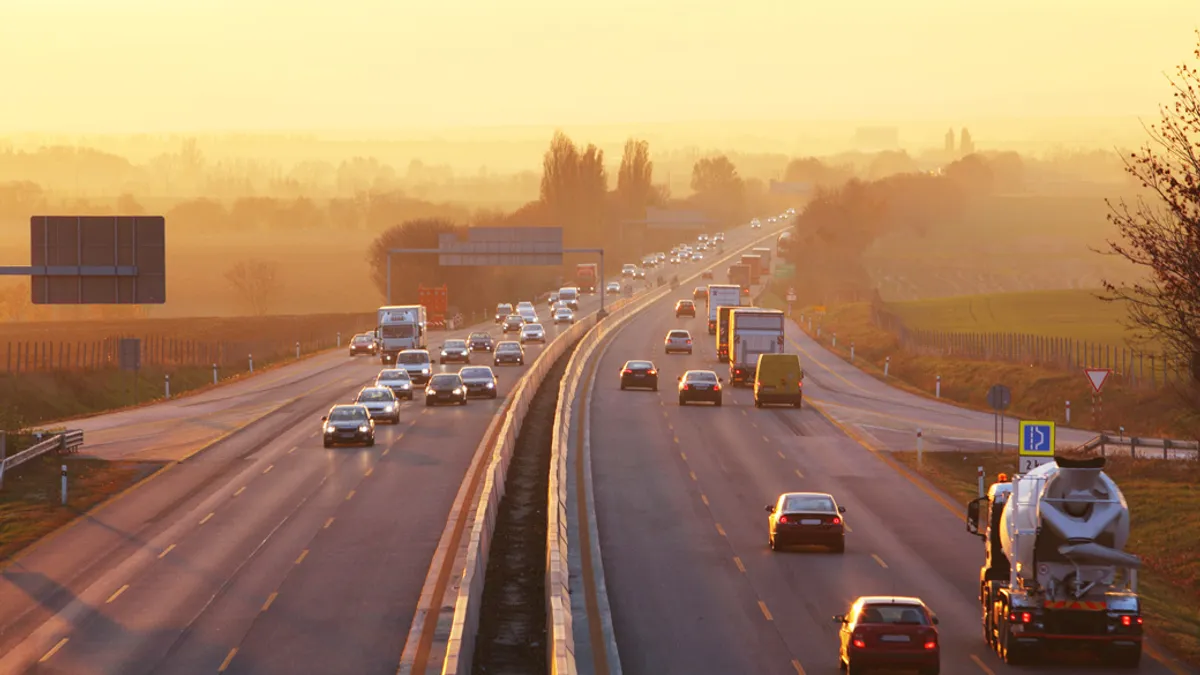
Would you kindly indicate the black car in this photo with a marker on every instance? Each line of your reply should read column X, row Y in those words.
column 806, row 519
column 363, row 344
column 685, row 308
column 513, row 323
column 446, row 388
column 455, row 351
column 509, row 352
column 480, row 381
column 639, row 374
column 348, row 424
column 481, row 342
column 699, row 385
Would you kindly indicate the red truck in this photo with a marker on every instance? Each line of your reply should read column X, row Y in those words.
column 587, row 275
column 434, row 299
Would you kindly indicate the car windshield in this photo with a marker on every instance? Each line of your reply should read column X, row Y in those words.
column 701, row 376
column 397, row 331
column 809, row 503
column 533, row 328
column 412, row 358
column 508, row 347
column 443, row 380
column 475, row 373
column 363, row 339
column 347, row 415
column 504, row 309
column 911, row 615
column 375, row 395
column 394, row 375
column 678, row 334
column 514, row 318
column 455, row 344
column 480, row 336
column 639, row 365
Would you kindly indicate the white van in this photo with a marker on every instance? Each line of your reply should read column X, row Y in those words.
column 569, row 295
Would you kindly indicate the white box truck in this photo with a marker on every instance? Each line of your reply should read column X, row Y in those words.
column 721, row 295
column 400, row 327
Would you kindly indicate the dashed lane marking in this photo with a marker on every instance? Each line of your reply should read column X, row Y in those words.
column 327, row 524
column 294, row 447
column 799, row 474
column 166, row 551
column 116, row 595
column 270, row 599
column 350, row 496
column 369, row 472
column 228, row 659
column 205, row 519
column 720, row 530
column 704, row 498
column 240, row 491
column 982, row 666
column 738, row 561
column 53, row 650
column 675, row 439
column 683, row 455
column 880, row 561
column 268, row 469
column 766, row 612
column 303, row 555
column 799, row 668
column 385, row 452
column 781, row 455
column 693, row 475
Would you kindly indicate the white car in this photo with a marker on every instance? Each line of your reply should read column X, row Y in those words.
column 564, row 315
column 678, row 340
column 696, row 257
column 398, row 381
column 613, row 288
column 754, row 224
column 529, row 316
column 533, row 332
column 380, row 403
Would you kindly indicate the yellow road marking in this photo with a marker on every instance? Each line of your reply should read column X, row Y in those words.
column 683, row 455
column 240, row 491
column 400, row 435
column 738, row 561
column 166, row 551
column 675, row 439
column 293, row 449
column 780, row 453
column 303, row 555
column 268, row 469
column 693, row 475
column 880, row 561
column 270, row 599
column 116, row 595
column 385, row 452
column 225, row 663
column 766, row 612
column 53, row 650
column 720, row 530
column 704, row 498
column 799, row 668
column 799, row 474
column 350, row 496
column 369, row 472
column 982, row 665
column 205, row 519
column 327, row 524
column 670, row 427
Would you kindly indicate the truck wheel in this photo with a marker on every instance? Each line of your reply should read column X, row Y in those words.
column 1011, row 652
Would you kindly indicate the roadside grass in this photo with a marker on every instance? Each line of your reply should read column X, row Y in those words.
column 30, row 506
column 1037, row 392
column 1076, row 314
column 1164, row 504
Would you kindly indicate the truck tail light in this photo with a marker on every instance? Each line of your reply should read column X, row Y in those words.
column 858, row 641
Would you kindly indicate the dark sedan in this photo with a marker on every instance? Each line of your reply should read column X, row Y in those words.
column 509, row 352
column 640, row 375
column 513, row 323
column 806, row 519
column 363, row 344
column 348, row 424
column 481, row 342
column 455, row 351
column 685, row 308
column 480, row 381
column 699, row 385
column 446, row 388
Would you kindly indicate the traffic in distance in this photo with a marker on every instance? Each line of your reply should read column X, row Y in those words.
column 1055, row 582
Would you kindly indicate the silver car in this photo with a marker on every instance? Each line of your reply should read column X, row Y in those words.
column 678, row 340
column 398, row 381
column 381, row 403
column 564, row 315
column 479, row 381
column 533, row 332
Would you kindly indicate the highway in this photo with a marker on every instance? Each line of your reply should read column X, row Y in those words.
column 300, row 558
column 680, row 491
column 261, row 551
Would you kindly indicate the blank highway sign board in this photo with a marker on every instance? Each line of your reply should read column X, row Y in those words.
column 97, row 260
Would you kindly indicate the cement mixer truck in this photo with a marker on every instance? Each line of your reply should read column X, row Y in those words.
column 1055, row 571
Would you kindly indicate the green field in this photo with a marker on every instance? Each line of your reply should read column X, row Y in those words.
column 1077, row 314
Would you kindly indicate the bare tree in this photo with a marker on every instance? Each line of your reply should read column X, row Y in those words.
column 256, row 281
column 1162, row 236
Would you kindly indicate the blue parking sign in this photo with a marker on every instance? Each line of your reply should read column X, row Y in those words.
column 1037, row 439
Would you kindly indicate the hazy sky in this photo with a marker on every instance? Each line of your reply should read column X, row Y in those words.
column 197, row 65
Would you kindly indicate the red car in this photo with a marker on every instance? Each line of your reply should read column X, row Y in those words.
column 889, row 632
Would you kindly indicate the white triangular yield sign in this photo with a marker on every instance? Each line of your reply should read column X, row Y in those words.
column 1097, row 376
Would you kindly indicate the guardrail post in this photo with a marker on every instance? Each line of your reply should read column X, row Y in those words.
column 167, row 385
column 339, row 339
column 1068, row 412
column 64, row 484
column 297, row 349
column 887, row 365
column 835, row 340
column 251, row 363
column 852, row 351
column 214, row 373
column 937, row 387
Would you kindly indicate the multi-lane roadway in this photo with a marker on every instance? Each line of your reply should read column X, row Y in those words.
column 680, row 491
column 257, row 550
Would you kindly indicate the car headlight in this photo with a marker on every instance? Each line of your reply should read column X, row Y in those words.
column 458, row 391
column 405, row 385
column 491, row 385
column 329, row 429
column 424, row 371
column 443, row 352
column 364, row 428
column 389, row 408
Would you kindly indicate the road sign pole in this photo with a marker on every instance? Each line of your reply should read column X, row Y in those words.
column 1068, row 412
column 887, row 364
column 919, row 450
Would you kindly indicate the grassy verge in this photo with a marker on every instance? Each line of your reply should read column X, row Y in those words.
column 1164, row 504
column 30, row 506
column 1037, row 393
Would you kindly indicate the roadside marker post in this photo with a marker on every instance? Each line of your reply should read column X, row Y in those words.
column 999, row 397
column 1068, row 412
column 982, row 487
column 851, row 351
column 1037, row 444
column 251, row 363
column 1097, row 377
column 919, row 449
column 64, row 484
column 937, row 387
column 297, row 349
column 167, row 385
column 214, row 373
column 887, row 364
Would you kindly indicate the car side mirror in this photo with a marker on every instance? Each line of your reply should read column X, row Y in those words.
column 770, row 508
column 324, row 419
column 680, row 378
column 839, row 618
column 934, row 620
column 720, row 379
column 841, row 509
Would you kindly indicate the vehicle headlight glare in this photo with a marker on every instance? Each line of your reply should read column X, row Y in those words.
column 329, row 429
column 458, row 391
column 364, row 428
column 491, row 385
column 424, row 371
column 389, row 408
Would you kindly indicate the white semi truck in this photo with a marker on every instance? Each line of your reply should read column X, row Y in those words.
column 752, row 331
column 1055, row 570
column 400, row 327
column 721, row 295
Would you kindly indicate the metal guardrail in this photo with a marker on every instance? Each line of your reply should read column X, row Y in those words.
column 1151, row 448
column 67, row 442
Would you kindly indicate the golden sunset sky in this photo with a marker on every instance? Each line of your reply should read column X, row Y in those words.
column 207, row 65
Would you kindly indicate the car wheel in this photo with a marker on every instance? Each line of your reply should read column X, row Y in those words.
column 328, row 444
column 840, row 547
column 428, row 402
column 622, row 386
column 654, row 388
column 396, row 418
column 371, row 441
column 682, row 401
column 718, row 402
column 463, row 402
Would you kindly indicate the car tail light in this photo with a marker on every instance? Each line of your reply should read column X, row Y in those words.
column 651, row 372
column 716, row 387
column 858, row 641
column 930, row 643
column 685, row 387
column 689, row 342
column 836, row 520
column 1020, row 617
column 628, row 371
column 783, row 519
column 1131, row 620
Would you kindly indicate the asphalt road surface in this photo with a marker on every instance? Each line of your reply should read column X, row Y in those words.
column 266, row 552
column 680, row 491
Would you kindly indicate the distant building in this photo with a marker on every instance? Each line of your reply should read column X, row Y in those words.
column 876, row 139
